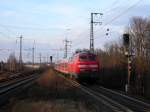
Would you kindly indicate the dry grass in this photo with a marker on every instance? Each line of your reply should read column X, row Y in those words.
column 50, row 79
column 45, row 106
column 52, row 94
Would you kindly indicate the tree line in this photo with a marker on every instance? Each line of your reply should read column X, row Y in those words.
column 114, row 62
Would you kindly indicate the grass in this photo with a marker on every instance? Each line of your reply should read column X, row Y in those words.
column 50, row 106
column 51, row 94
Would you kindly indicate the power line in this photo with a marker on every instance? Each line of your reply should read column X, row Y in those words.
column 125, row 11
column 122, row 13
column 27, row 28
column 5, row 35
column 112, row 6
column 6, row 28
column 116, row 17
column 6, row 49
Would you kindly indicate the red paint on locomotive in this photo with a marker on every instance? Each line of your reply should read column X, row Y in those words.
column 83, row 64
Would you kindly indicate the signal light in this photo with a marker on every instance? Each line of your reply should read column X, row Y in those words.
column 126, row 39
column 51, row 58
column 130, row 67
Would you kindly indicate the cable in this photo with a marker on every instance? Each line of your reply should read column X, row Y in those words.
column 5, row 27
column 116, row 17
column 113, row 6
column 122, row 13
column 4, row 35
column 27, row 28
column 125, row 11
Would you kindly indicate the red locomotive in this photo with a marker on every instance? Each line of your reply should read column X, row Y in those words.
column 83, row 65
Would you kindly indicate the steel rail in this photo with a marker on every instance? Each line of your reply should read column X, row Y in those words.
column 7, row 90
column 113, row 105
column 11, row 86
column 130, row 102
column 2, row 85
column 20, row 76
column 125, row 96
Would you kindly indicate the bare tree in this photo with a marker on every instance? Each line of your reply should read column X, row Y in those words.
column 12, row 63
column 139, row 31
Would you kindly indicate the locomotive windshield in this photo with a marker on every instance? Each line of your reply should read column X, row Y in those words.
column 92, row 57
column 87, row 58
column 83, row 58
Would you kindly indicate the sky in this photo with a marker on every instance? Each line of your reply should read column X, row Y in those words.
column 44, row 24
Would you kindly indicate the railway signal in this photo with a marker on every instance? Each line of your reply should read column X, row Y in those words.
column 126, row 43
column 126, row 40
column 51, row 59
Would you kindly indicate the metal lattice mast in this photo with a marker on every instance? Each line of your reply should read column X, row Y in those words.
column 91, row 35
column 66, row 47
column 20, row 56
column 92, row 30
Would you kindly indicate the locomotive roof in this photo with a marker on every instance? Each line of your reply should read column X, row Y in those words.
column 84, row 53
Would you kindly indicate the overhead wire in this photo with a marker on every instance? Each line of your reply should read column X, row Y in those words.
column 115, row 2
column 112, row 20
column 124, row 12
column 5, row 35
column 27, row 28
column 113, row 6
column 7, row 29
column 119, row 15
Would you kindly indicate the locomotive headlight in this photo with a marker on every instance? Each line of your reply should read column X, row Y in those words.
column 89, row 66
column 82, row 66
column 82, row 69
column 93, row 66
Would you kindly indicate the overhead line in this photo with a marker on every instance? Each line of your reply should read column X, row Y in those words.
column 113, row 6
column 4, row 35
column 116, row 17
column 27, row 27
column 5, row 27
column 122, row 13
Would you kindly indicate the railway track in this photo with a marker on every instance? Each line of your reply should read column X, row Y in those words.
column 115, row 101
column 132, row 103
column 9, row 88
column 8, row 76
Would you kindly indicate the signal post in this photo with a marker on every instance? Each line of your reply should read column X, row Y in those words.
column 126, row 43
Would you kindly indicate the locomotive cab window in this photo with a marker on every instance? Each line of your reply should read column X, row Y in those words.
column 92, row 58
column 87, row 58
column 83, row 58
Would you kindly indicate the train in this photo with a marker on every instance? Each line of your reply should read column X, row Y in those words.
column 82, row 65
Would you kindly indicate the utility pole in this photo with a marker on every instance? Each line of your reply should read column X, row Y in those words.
column 57, row 55
column 47, row 58
column 33, row 50
column 40, row 59
column 20, row 56
column 92, row 30
column 66, row 47
column 33, row 53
